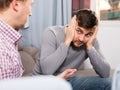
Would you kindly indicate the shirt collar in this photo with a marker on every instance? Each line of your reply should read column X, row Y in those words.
column 11, row 34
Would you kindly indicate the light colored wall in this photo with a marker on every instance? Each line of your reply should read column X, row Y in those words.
column 109, row 39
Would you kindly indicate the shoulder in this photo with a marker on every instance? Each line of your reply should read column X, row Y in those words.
column 96, row 43
column 55, row 29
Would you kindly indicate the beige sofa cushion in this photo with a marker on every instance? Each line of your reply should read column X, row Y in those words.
column 32, row 51
column 29, row 56
column 28, row 63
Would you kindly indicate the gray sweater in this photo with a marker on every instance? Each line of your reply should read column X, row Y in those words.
column 56, row 56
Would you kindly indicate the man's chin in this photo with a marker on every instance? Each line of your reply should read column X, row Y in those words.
column 77, row 45
column 22, row 27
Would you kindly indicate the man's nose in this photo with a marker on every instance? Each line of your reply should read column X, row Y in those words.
column 30, row 14
column 81, row 37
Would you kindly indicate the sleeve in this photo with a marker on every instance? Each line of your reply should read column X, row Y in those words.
column 98, row 61
column 37, row 69
column 52, row 56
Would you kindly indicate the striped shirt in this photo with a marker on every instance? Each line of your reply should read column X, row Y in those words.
column 10, row 61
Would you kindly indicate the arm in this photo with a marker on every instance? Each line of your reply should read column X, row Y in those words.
column 51, row 56
column 98, row 61
column 96, row 58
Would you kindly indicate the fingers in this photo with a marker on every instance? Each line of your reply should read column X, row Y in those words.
column 67, row 73
column 70, row 31
column 72, row 23
column 90, row 42
column 96, row 30
column 70, row 72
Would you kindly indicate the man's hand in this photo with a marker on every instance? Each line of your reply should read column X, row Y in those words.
column 70, row 31
column 67, row 73
column 89, row 44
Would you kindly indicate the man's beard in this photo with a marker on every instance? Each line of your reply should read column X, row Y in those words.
column 75, row 43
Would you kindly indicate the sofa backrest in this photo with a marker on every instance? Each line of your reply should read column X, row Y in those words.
column 29, row 56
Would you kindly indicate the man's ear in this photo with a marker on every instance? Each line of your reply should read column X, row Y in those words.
column 15, row 5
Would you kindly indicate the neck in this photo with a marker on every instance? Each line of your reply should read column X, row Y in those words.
column 7, row 17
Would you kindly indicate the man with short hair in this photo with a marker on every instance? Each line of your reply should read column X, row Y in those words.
column 67, row 47
column 13, row 16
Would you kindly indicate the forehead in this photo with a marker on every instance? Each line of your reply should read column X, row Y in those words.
column 85, row 30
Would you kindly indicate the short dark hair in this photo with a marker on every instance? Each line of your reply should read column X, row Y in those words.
column 5, row 3
column 86, row 18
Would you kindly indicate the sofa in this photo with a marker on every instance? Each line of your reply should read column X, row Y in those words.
column 30, row 55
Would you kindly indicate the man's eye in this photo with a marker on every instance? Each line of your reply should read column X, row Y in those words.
column 79, row 31
column 90, row 34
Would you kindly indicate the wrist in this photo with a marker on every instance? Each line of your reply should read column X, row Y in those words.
column 89, row 47
column 67, row 42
